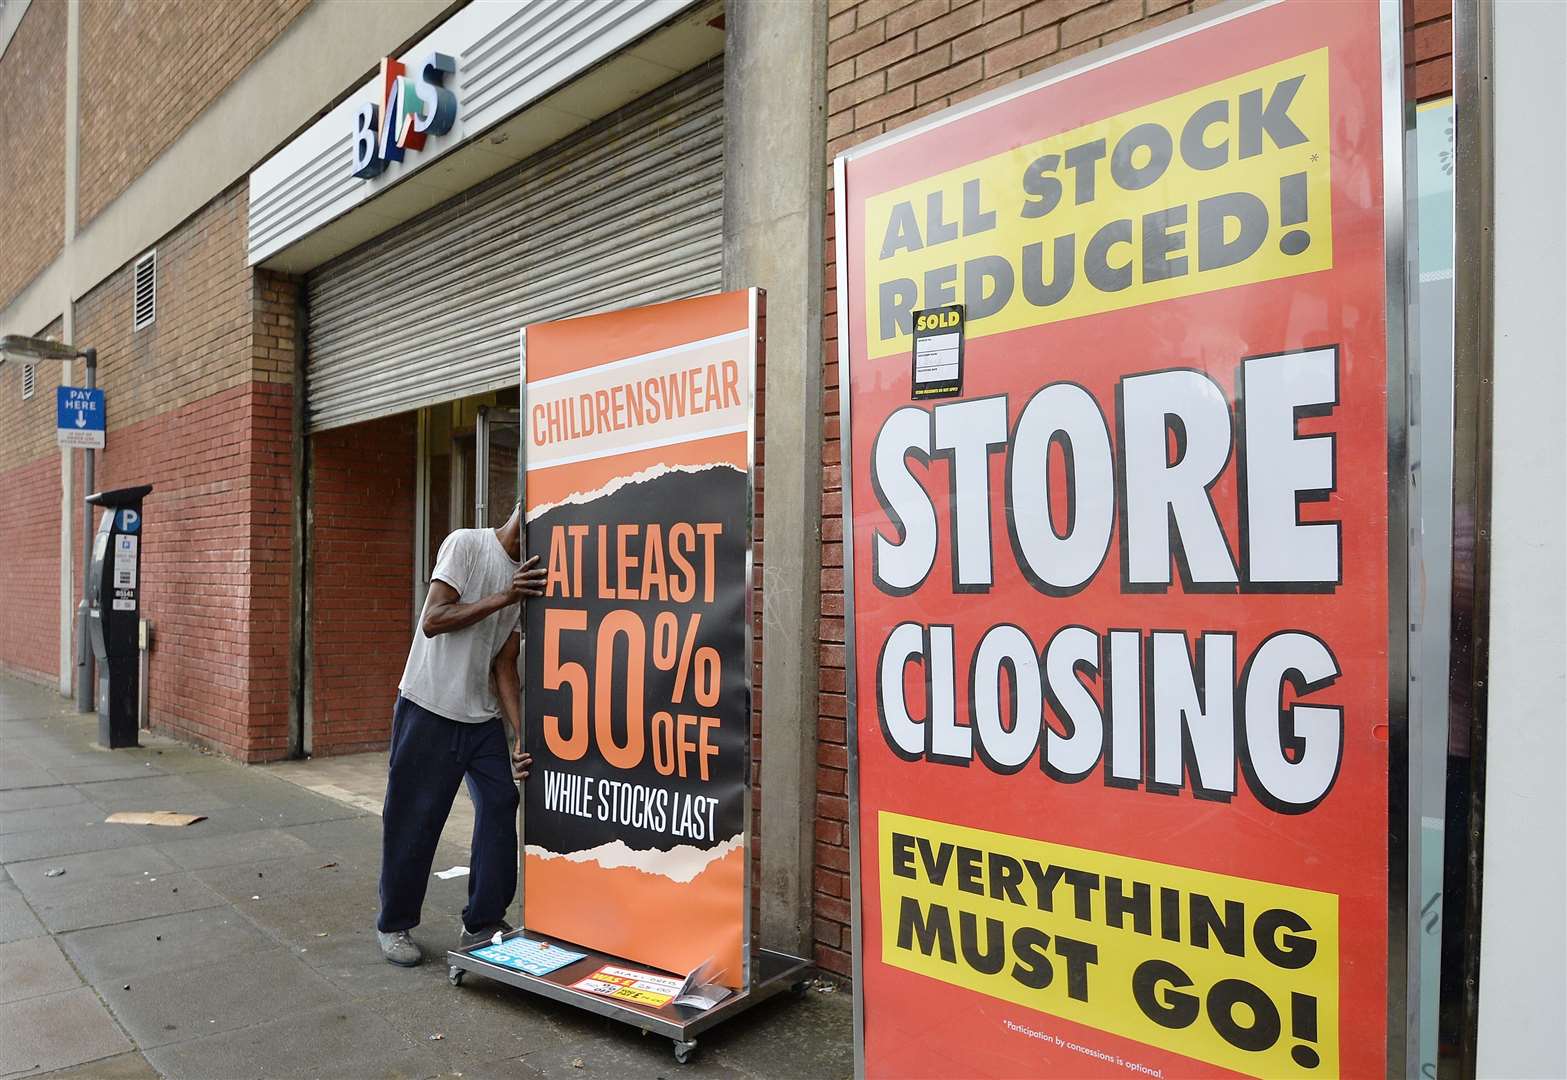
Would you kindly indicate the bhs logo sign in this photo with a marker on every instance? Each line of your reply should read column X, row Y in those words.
column 412, row 107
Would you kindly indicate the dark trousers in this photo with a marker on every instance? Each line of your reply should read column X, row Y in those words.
column 431, row 755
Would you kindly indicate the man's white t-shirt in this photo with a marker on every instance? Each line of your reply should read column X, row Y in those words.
column 449, row 674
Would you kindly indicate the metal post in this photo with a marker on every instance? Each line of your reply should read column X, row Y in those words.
column 84, row 653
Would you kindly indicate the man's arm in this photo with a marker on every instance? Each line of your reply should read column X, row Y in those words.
column 445, row 612
column 509, row 690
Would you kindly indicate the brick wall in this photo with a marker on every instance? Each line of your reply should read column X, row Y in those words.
column 891, row 62
column 32, row 147
column 1428, row 48
column 201, row 341
column 30, row 568
column 215, row 565
column 135, row 101
column 30, row 520
column 199, row 405
column 361, row 599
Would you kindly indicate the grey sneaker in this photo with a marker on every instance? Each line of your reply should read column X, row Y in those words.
column 474, row 937
column 399, row 948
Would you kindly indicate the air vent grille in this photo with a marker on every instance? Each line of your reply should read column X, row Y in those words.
column 146, row 290
column 29, row 380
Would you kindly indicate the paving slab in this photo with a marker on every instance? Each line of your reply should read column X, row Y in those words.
column 334, row 1041
column 153, row 791
column 17, row 695
column 33, row 798
column 626, row 1052
column 117, row 953
column 17, row 921
column 103, row 836
column 34, row 967
column 19, row 772
column 68, row 816
column 129, row 862
column 60, row 747
column 225, row 995
column 344, row 904
column 277, row 806
column 120, row 1067
column 282, row 1000
column 504, row 1069
column 74, row 841
column 169, row 756
column 770, row 1036
column 202, row 852
column 351, row 961
column 305, row 874
column 12, row 724
column 480, row 1022
column 119, row 900
column 57, row 1031
column 346, row 836
column 86, row 770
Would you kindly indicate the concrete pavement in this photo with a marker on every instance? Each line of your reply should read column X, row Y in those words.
column 243, row 945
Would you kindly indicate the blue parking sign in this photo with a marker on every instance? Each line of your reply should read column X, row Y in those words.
column 79, row 417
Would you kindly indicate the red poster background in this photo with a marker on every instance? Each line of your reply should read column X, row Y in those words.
column 916, row 1026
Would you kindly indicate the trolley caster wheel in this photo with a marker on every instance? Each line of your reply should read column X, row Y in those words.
column 684, row 1051
column 454, row 975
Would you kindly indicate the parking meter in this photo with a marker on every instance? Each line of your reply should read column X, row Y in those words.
column 114, row 609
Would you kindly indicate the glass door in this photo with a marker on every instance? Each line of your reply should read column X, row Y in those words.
column 497, row 449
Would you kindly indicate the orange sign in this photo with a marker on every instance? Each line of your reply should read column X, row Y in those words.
column 638, row 442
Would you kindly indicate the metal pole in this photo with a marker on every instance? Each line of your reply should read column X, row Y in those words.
column 84, row 653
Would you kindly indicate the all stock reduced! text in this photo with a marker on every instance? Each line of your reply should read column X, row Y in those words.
column 1210, row 189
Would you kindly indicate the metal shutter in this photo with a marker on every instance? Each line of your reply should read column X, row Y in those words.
column 629, row 211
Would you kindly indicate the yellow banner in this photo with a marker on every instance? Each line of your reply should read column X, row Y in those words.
column 1223, row 186
column 1233, row 972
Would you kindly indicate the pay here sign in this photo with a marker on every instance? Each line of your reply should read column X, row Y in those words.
column 1115, row 365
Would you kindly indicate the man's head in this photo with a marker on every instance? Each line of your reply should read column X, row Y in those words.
column 511, row 533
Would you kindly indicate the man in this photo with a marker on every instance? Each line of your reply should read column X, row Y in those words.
column 456, row 713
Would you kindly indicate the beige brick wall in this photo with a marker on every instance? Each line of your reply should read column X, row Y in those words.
column 149, row 67
column 32, row 146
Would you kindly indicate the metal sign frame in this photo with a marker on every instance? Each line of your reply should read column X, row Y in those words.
column 1397, row 118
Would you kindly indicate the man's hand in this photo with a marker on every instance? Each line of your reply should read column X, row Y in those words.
column 521, row 762
column 528, row 580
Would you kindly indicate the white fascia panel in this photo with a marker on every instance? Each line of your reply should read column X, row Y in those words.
column 509, row 53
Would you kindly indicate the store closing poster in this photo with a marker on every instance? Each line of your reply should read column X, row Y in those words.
column 1120, row 590
column 638, row 440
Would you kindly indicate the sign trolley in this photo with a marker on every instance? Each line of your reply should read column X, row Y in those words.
column 1125, row 486
column 638, row 493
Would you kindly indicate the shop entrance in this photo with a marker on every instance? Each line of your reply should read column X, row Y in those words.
column 468, row 474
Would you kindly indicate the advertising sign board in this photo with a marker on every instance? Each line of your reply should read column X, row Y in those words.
column 1126, row 613
column 638, row 435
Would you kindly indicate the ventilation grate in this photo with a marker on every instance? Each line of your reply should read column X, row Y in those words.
column 29, row 380
column 146, row 289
